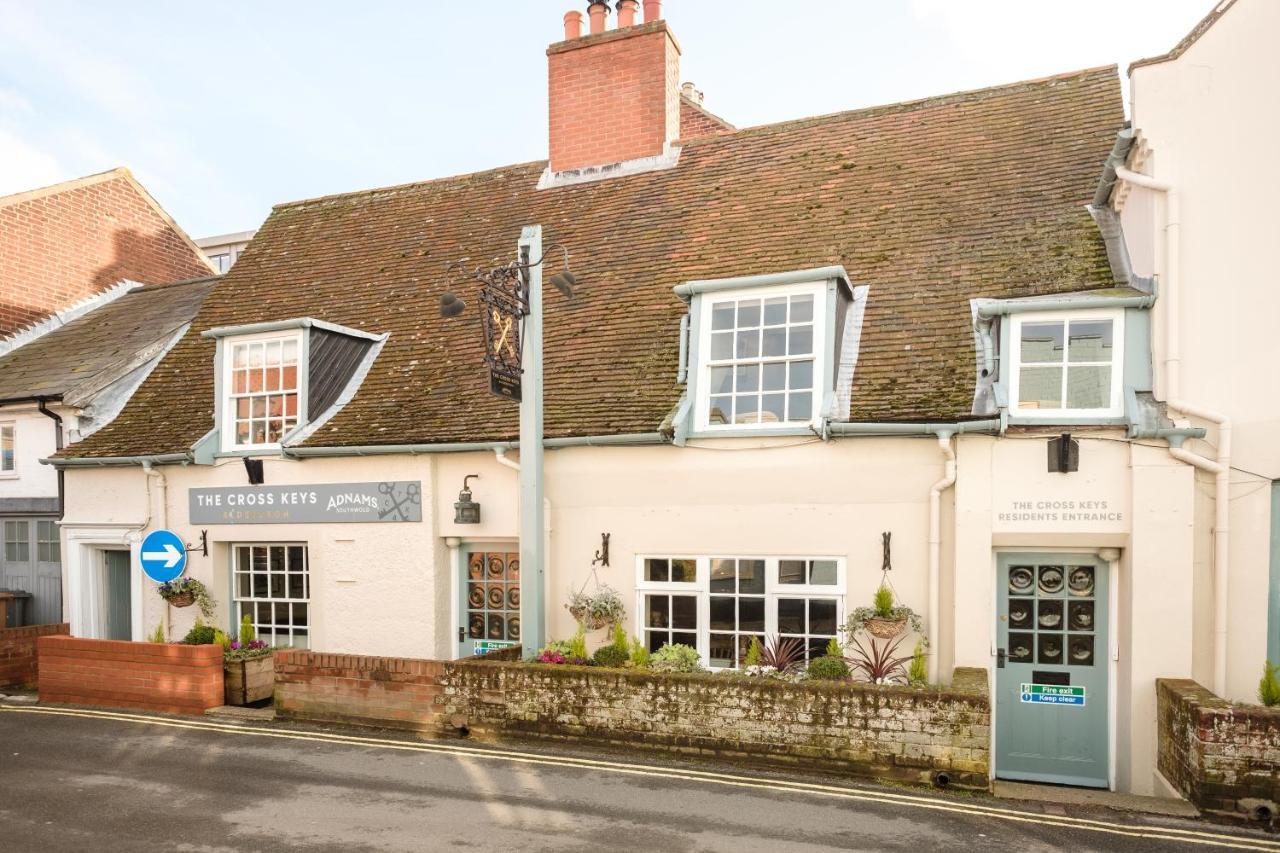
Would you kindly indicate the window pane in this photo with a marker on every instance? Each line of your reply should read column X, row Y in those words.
column 6, row 448
column 775, row 342
column 277, row 586
column 791, row 571
column 791, row 616
column 1040, row 387
column 657, row 611
column 1090, row 341
column 684, row 571
column 801, row 406
column 746, row 378
column 801, row 340
column 290, row 351
column 240, row 355
column 721, row 380
column 801, row 375
column 822, row 616
column 775, row 376
column 748, row 313
column 751, row 614
column 773, row 408
column 658, row 571
column 801, row 309
column 723, row 613
column 722, row 345
column 775, row 311
column 684, row 612
column 722, row 315
column 656, row 639
column 721, row 650
column 1041, row 342
column 690, row 640
column 751, row 576
column 259, row 586
column 721, row 410
column 748, row 344
column 747, row 409
column 1088, row 387
column 823, row 572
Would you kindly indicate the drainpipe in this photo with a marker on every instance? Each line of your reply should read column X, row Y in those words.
column 500, row 454
column 154, row 474
column 42, row 403
column 935, row 542
column 1221, row 467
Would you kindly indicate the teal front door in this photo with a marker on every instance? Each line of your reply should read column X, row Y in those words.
column 1051, row 670
column 490, row 606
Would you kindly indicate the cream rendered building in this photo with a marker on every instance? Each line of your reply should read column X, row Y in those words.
column 784, row 343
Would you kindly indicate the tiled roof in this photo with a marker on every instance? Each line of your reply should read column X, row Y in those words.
column 930, row 203
column 101, row 342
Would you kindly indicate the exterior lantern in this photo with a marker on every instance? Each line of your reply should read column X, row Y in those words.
column 466, row 511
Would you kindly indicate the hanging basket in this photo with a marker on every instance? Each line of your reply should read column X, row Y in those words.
column 885, row 628
column 588, row 622
column 182, row 599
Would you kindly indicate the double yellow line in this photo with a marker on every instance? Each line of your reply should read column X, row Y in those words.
column 851, row 793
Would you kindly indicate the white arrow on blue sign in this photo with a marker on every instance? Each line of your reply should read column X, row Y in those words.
column 163, row 555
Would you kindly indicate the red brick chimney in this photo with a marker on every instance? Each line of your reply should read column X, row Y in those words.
column 615, row 94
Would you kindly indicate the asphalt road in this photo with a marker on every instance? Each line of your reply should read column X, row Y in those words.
column 81, row 780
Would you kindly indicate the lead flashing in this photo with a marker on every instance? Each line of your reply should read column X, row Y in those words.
column 286, row 325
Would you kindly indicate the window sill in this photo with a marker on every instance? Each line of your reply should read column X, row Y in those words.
column 264, row 450
column 755, row 432
column 1064, row 419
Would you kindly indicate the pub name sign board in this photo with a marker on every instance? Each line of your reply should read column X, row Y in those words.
column 316, row 503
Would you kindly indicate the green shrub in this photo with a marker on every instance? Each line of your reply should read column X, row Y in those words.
column 199, row 635
column 560, row 647
column 1269, row 686
column 221, row 638
column 611, row 656
column 884, row 602
column 639, row 654
column 620, row 638
column 753, row 653
column 834, row 649
column 157, row 636
column 578, row 646
column 828, row 668
column 247, row 634
column 676, row 657
column 918, row 672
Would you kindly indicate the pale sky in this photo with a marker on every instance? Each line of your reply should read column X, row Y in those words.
column 223, row 109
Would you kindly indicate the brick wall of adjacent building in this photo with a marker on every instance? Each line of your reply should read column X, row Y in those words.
column 167, row 677
column 62, row 246
column 885, row 732
column 18, row 659
column 613, row 96
column 695, row 122
column 1222, row 756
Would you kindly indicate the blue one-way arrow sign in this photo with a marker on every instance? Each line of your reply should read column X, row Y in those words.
column 163, row 555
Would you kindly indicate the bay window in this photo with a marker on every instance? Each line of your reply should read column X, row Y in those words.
column 719, row 604
column 261, row 390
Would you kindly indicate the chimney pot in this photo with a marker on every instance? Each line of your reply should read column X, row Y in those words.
column 572, row 25
column 692, row 92
column 652, row 10
column 598, row 11
column 627, row 13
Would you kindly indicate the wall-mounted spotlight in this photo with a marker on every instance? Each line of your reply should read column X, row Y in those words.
column 1064, row 454
column 253, row 467
column 466, row 511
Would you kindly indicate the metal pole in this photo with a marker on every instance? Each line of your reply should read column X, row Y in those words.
column 532, row 573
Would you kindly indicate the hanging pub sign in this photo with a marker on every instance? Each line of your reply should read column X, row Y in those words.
column 504, row 297
column 307, row 504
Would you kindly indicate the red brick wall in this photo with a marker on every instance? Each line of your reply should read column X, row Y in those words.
column 60, row 247
column 152, row 676
column 18, row 661
column 695, row 122
column 613, row 96
column 390, row 692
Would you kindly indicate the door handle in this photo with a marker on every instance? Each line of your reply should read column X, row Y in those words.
column 1000, row 658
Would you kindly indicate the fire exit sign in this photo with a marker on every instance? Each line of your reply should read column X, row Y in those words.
column 1053, row 694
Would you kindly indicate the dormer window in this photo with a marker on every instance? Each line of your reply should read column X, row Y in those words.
column 279, row 381
column 264, row 390
column 763, row 362
column 1067, row 364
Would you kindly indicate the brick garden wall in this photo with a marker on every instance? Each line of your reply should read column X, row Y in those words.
column 1223, row 757
column 165, row 677
column 18, row 660
column 886, row 732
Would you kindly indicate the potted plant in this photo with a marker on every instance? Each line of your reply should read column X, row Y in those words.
column 886, row 619
column 247, row 667
column 598, row 609
column 184, row 592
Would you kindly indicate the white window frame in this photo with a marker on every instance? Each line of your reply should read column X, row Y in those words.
column 773, row 590
column 239, row 601
column 11, row 427
column 1116, row 404
column 822, row 354
column 226, row 403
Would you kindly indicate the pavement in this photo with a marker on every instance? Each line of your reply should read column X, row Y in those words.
column 92, row 780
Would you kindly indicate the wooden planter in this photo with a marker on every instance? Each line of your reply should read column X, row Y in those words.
column 247, row 681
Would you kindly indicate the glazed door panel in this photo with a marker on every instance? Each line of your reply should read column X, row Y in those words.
column 490, row 606
column 1052, row 689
